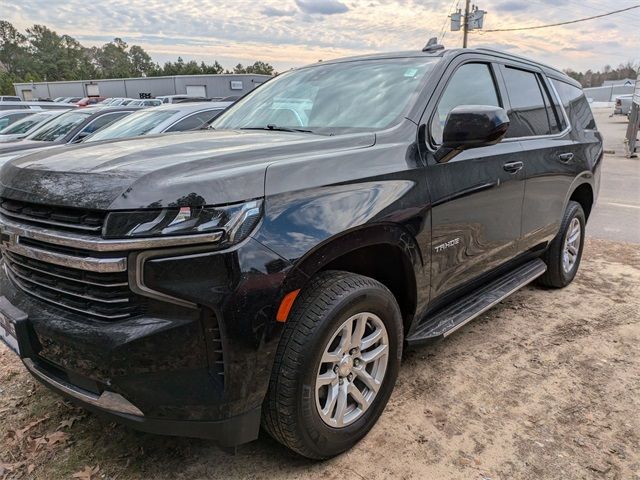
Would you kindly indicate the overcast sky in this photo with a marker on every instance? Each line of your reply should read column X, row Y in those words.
column 289, row 33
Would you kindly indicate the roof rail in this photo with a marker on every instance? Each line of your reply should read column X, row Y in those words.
column 519, row 57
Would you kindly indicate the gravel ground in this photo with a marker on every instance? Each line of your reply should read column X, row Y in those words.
column 544, row 386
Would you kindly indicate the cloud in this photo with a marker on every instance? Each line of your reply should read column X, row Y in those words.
column 512, row 6
column 277, row 12
column 291, row 33
column 322, row 7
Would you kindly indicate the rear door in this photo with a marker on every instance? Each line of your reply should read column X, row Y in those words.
column 477, row 196
column 548, row 151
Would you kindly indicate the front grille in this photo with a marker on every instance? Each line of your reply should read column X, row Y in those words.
column 102, row 295
column 78, row 219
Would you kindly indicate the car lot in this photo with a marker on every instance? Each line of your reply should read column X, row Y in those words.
column 543, row 386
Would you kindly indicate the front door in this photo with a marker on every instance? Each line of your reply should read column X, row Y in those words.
column 477, row 196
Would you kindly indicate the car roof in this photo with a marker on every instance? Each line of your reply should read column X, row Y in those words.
column 450, row 53
column 192, row 106
column 4, row 113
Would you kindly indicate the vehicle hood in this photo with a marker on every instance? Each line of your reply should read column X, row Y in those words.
column 182, row 169
column 18, row 145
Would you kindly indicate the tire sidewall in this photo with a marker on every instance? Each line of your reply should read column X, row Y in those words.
column 326, row 440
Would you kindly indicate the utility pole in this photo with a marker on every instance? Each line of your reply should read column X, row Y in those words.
column 466, row 23
column 472, row 19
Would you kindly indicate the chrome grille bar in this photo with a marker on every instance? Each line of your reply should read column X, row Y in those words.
column 88, row 242
column 118, row 264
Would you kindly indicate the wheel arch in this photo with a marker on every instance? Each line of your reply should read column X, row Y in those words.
column 386, row 253
column 583, row 194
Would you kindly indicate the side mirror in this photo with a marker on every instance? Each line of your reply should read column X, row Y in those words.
column 471, row 126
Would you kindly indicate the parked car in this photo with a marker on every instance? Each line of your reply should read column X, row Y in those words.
column 181, row 98
column 69, row 127
column 149, row 102
column 23, row 128
column 88, row 101
column 14, row 105
column 272, row 269
column 163, row 119
column 8, row 117
column 623, row 105
column 10, row 98
column 67, row 99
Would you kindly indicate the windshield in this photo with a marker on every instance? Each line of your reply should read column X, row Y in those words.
column 24, row 125
column 59, row 127
column 136, row 124
column 368, row 94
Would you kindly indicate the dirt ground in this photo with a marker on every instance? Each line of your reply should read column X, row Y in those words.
column 544, row 386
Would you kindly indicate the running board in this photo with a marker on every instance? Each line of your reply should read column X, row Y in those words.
column 447, row 320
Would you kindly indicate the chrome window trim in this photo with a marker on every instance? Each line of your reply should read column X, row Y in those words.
column 86, row 242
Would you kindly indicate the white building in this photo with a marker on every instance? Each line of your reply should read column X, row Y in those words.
column 223, row 85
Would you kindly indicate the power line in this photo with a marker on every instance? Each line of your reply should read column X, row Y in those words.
column 561, row 23
column 443, row 32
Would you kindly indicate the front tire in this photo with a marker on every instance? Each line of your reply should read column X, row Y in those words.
column 336, row 365
column 565, row 251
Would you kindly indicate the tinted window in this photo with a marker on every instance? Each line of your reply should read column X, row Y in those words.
column 367, row 94
column 575, row 104
column 59, row 127
column 138, row 123
column 556, row 117
column 528, row 114
column 102, row 121
column 193, row 122
column 471, row 84
column 23, row 126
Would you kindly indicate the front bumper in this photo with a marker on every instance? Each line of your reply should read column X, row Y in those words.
column 196, row 367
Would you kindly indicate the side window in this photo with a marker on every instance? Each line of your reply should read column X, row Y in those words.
column 103, row 121
column 556, row 117
column 575, row 104
column 195, row 121
column 528, row 114
column 471, row 84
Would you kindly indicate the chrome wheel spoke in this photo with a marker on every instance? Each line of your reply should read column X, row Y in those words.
column 332, row 357
column 374, row 354
column 368, row 380
column 341, row 406
column 327, row 378
column 371, row 339
column 358, row 331
column 358, row 396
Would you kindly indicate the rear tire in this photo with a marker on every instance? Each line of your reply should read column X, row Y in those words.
column 344, row 333
column 565, row 251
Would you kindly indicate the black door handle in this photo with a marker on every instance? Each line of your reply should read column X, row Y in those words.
column 565, row 157
column 513, row 167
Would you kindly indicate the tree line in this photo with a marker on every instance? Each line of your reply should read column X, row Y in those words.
column 596, row 79
column 41, row 54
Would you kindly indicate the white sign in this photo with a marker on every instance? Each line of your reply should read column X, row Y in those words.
column 236, row 85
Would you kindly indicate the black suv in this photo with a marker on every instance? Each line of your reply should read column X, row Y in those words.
column 270, row 271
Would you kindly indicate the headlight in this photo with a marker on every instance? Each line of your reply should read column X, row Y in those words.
column 235, row 221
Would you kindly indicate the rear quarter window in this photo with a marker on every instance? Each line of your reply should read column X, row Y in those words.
column 529, row 111
column 575, row 104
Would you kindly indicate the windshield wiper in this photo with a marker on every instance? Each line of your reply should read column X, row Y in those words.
column 276, row 128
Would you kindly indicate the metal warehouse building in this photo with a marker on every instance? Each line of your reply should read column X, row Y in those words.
column 223, row 85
